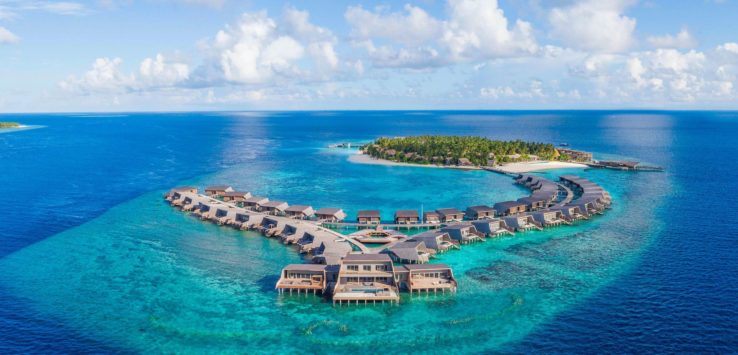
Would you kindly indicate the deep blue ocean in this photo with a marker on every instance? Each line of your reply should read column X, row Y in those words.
column 93, row 260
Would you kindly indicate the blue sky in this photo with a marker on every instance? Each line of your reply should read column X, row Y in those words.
column 171, row 55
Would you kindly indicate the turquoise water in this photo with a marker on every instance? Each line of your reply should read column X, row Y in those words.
column 142, row 276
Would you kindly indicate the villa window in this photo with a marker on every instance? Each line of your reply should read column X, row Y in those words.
column 381, row 267
column 352, row 267
column 367, row 268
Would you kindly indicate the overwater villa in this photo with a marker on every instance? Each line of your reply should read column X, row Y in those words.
column 407, row 217
column 218, row 190
column 270, row 226
column 480, row 212
column 254, row 203
column 463, row 233
column 508, row 208
column 176, row 193
column 569, row 212
column 299, row 212
column 431, row 217
column 275, row 208
column 437, row 240
column 450, row 215
column 492, row 227
column 426, row 278
column 366, row 278
column 533, row 203
column 368, row 217
column 327, row 214
column 410, row 252
column 550, row 218
column 522, row 223
column 237, row 197
column 307, row 278
column 331, row 252
column 377, row 235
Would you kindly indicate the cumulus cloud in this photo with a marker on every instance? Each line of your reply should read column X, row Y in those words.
column 534, row 90
column 594, row 25
column 474, row 30
column 7, row 37
column 259, row 50
column 683, row 39
column 106, row 76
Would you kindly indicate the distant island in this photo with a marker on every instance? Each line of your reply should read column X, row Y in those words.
column 4, row 125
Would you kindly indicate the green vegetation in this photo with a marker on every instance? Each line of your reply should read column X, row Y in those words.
column 457, row 150
column 9, row 125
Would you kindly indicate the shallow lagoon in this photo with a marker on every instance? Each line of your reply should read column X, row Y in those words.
column 142, row 276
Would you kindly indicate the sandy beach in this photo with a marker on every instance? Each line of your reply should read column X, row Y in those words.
column 513, row 168
column 527, row 167
column 361, row 158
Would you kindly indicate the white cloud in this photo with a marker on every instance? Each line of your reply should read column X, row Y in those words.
column 161, row 72
column 7, row 37
column 106, row 76
column 730, row 47
column 475, row 30
column 56, row 7
column 258, row 50
column 594, row 25
column 533, row 91
column 414, row 28
column 683, row 39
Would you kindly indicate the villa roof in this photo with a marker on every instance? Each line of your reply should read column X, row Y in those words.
column 305, row 267
column 406, row 213
column 481, row 208
column 218, row 187
column 369, row 213
column 273, row 204
column 235, row 194
column 256, row 199
column 367, row 257
column 414, row 267
column 184, row 188
column 500, row 206
column 298, row 208
column 447, row 211
column 457, row 226
column 328, row 211
column 428, row 234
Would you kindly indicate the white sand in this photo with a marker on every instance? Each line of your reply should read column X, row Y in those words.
column 526, row 167
column 361, row 158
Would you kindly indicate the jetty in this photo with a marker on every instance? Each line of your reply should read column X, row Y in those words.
column 343, row 266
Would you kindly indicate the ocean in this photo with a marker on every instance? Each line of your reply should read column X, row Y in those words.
column 93, row 260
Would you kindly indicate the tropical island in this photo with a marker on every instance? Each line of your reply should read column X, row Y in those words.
column 468, row 152
column 5, row 125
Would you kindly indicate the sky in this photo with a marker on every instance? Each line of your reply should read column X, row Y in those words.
column 188, row 55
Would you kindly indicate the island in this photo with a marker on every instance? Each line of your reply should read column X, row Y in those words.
column 469, row 152
column 6, row 125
